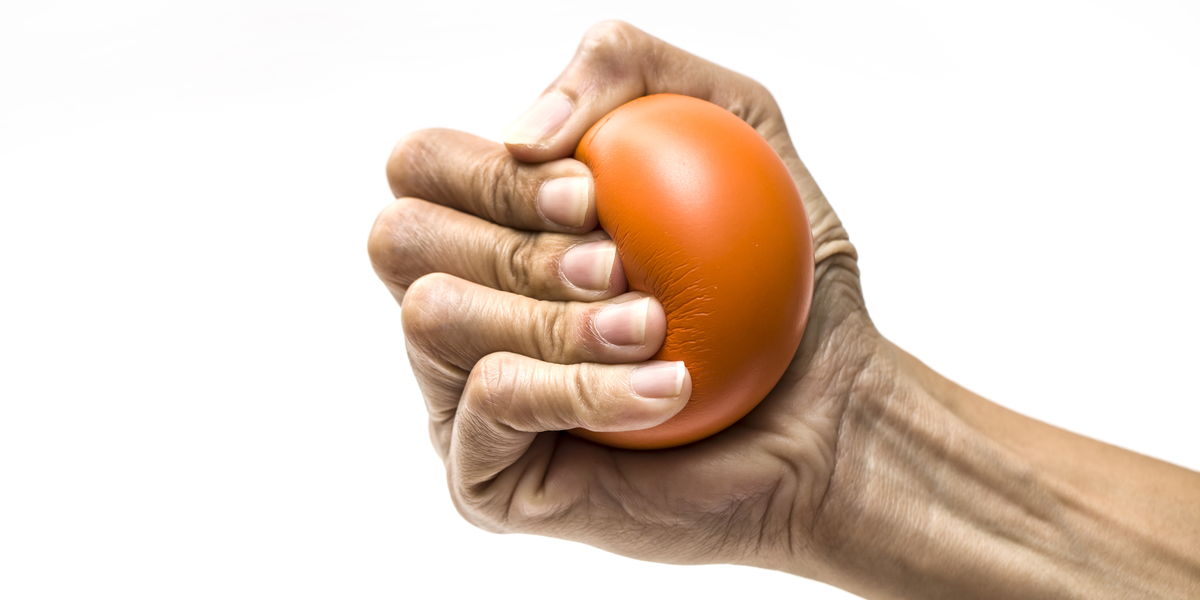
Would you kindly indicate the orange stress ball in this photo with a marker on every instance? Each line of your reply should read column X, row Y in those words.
column 706, row 218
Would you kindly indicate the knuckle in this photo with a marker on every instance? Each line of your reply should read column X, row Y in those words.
column 489, row 389
column 397, row 239
column 755, row 105
column 611, row 33
column 496, row 180
column 379, row 242
column 555, row 329
column 759, row 92
column 405, row 163
column 516, row 264
column 612, row 43
column 767, row 98
column 593, row 410
column 764, row 102
column 426, row 310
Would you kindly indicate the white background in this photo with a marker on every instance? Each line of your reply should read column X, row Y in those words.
column 204, row 390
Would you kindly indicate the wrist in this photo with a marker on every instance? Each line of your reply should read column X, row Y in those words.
column 917, row 496
column 936, row 494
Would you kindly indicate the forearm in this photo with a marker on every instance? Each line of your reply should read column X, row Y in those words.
column 940, row 493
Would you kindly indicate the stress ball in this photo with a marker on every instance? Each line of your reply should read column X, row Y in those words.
column 706, row 218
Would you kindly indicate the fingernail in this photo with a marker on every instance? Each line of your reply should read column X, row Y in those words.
column 623, row 324
column 565, row 200
column 541, row 120
column 658, row 380
column 589, row 266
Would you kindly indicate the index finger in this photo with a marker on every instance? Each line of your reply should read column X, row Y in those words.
column 616, row 63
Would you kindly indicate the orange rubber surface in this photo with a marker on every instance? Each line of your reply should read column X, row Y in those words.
column 707, row 218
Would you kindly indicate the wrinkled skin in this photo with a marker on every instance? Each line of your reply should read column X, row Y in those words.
column 758, row 489
column 863, row 468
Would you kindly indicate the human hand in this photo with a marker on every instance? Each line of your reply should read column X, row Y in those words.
column 862, row 468
column 509, row 352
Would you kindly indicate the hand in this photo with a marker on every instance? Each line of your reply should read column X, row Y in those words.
column 862, row 468
column 518, row 327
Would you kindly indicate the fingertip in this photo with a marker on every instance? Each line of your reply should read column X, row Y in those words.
column 673, row 403
column 559, row 141
column 656, row 324
column 537, row 126
column 661, row 389
column 629, row 328
column 617, row 284
column 590, row 266
column 531, row 154
column 659, row 379
column 592, row 270
column 685, row 387
column 541, row 133
column 566, row 201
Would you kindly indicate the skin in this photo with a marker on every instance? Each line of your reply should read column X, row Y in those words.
column 863, row 468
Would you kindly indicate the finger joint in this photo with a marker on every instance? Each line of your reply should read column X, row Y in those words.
column 515, row 269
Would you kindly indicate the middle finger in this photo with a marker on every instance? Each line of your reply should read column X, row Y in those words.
column 412, row 238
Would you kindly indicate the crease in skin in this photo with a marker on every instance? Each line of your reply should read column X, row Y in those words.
column 670, row 520
column 959, row 487
column 792, row 482
column 839, row 244
column 441, row 394
column 851, row 381
column 838, row 309
column 531, row 497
